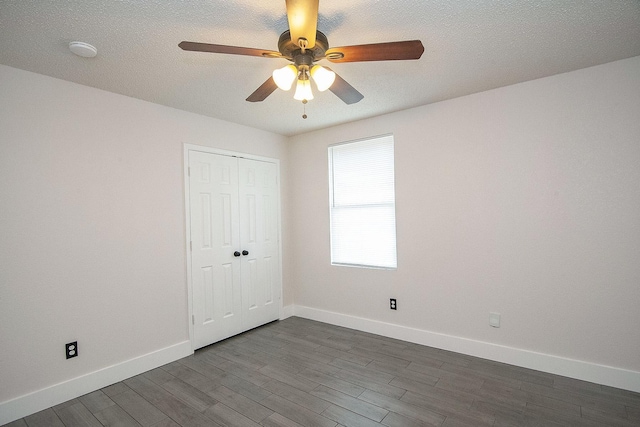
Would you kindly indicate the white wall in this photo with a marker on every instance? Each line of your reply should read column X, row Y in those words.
column 92, row 228
column 523, row 200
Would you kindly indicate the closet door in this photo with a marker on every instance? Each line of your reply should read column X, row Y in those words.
column 260, row 267
column 235, row 261
column 215, row 237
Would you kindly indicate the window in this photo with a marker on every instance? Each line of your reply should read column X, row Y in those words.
column 362, row 203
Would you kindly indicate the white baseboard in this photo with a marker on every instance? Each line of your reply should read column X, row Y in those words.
column 287, row 311
column 31, row 403
column 586, row 371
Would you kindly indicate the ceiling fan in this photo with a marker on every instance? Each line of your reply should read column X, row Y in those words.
column 303, row 45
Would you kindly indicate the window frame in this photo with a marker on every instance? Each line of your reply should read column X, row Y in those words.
column 333, row 206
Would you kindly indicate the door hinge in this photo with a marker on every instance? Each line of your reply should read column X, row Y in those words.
column 191, row 245
column 193, row 319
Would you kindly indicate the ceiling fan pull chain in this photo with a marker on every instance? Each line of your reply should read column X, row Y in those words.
column 304, row 108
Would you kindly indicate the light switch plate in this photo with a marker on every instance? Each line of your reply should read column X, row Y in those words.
column 494, row 320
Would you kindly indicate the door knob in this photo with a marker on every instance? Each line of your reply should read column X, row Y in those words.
column 245, row 253
column 236, row 253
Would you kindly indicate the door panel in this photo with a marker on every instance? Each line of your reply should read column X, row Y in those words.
column 215, row 235
column 258, row 190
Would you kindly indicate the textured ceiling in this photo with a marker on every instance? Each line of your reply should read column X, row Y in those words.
column 470, row 46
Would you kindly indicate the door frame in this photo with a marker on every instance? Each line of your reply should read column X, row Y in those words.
column 187, row 210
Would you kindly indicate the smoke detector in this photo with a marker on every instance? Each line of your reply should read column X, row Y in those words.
column 82, row 49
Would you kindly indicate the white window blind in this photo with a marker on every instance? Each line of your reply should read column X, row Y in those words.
column 362, row 203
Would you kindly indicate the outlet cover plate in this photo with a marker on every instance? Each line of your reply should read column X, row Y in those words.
column 71, row 349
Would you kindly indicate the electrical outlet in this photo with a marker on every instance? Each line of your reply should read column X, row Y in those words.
column 392, row 304
column 71, row 349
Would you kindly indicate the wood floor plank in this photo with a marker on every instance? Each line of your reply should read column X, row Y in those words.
column 201, row 366
column 159, row 375
column 207, row 354
column 114, row 389
column 96, row 401
column 296, row 412
column 333, row 382
column 370, row 384
column 277, row 420
column 244, row 388
column 348, row 418
column 77, row 415
column 518, row 420
column 625, row 397
column 414, row 384
column 46, row 418
column 466, row 385
column 296, row 381
column 226, row 416
column 540, row 412
column 396, row 420
column 167, row 422
column 301, row 341
column 238, row 356
column 254, row 377
column 381, row 377
column 241, row 404
column 190, row 395
column 353, row 404
column 297, row 396
column 614, row 420
column 140, row 409
column 439, row 405
column 115, row 416
column 64, row 404
column 383, row 358
column 551, row 403
column 146, row 388
column 344, row 355
column 193, row 378
column 633, row 414
column 184, row 414
column 402, row 408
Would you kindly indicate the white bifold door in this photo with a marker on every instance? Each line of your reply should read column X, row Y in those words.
column 235, row 259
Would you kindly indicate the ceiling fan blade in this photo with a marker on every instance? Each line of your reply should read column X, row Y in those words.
column 411, row 49
column 345, row 91
column 233, row 50
column 303, row 20
column 263, row 91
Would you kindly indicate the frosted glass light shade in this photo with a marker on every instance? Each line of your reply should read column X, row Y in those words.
column 324, row 78
column 285, row 76
column 303, row 91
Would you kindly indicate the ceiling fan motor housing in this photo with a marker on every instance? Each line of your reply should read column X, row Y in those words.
column 291, row 50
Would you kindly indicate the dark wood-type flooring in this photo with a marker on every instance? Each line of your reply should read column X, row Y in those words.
column 298, row 372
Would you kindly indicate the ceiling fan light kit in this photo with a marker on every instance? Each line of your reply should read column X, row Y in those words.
column 303, row 45
column 303, row 91
column 285, row 76
column 324, row 78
